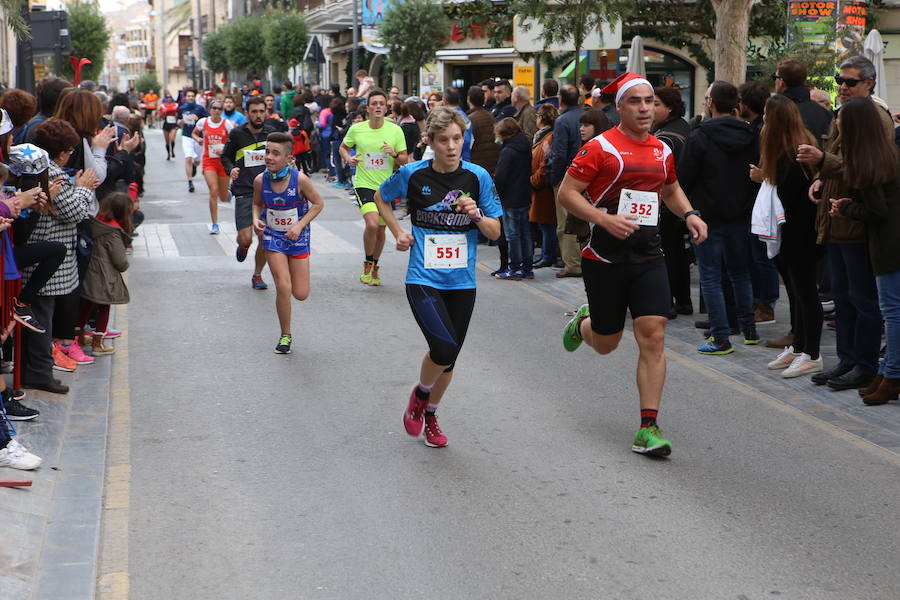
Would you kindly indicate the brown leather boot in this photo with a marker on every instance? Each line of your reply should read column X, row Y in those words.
column 870, row 389
column 97, row 346
column 887, row 391
column 80, row 337
column 782, row 342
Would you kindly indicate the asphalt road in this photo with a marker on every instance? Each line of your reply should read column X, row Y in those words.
column 256, row 475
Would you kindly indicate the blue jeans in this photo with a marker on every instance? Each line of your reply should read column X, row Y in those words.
column 889, row 299
column 763, row 272
column 857, row 318
column 325, row 154
column 518, row 236
column 336, row 161
column 549, row 243
column 726, row 245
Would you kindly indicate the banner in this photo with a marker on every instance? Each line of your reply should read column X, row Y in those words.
column 372, row 15
column 851, row 27
column 814, row 19
column 525, row 76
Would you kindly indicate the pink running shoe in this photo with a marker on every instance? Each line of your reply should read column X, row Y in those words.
column 434, row 437
column 414, row 416
column 75, row 352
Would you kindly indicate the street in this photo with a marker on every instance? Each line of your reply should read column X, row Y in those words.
column 256, row 475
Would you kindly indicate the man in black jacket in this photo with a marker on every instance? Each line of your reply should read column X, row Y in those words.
column 503, row 101
column 566, row 142
column 713, row 171
column 244, row 158
column 790, row 80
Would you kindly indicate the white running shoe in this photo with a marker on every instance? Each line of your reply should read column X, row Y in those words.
column 803, row 365
column 16, row 456
column 784, row 360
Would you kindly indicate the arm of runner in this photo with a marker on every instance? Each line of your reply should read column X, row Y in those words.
column 345, row 155
column 197, row 129
column 316, row 204
column 570, row 196
column 674, row 197
column 404, row 238
column 490, row 227
column 258, row 224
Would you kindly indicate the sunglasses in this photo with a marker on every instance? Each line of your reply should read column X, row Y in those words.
column 849, row 82
column 776, row 76
column 215, row 108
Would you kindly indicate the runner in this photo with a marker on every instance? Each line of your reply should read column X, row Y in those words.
column 212, row 132
column 623, row 172
column 150, row 99
column 168, row 114
column 188, row 114
column 290, row 203
column 379, row 146
column 233, row 114
column 450, row 201
column 243, row 159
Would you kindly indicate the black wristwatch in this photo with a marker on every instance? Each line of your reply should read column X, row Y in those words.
column 689, row 213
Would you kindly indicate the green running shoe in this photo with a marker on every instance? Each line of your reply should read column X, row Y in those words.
column 649, row 440
column 572, row 333
column 284, row 344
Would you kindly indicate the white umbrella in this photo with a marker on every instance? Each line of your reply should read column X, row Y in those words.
column 635, row 62
column 873, row 48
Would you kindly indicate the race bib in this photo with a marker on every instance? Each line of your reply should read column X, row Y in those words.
column 170, row 119
column 254, row 158
column 446, row 251
column 281, row 220
column 377, row 161
column 643, row 205
column 189, row 119
column 215, row 150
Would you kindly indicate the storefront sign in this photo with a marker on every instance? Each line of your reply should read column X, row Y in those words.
column 525, row 76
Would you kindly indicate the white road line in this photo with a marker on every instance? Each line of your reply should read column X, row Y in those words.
column 325, row 242
column 226, row 237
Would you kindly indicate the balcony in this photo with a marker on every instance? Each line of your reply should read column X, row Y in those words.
column 329, row 16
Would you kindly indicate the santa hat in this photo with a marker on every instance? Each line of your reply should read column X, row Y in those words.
column 623, row 83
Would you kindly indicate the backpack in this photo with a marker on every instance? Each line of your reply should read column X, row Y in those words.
column 301, row 140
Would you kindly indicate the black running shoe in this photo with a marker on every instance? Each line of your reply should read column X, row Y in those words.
column 284, row 344
column 15, row 411
column 191, row 186
column 24, row 315
column 241, row 253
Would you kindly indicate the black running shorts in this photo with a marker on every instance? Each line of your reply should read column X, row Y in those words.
column 612, row 289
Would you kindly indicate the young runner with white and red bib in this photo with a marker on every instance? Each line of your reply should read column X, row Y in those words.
column 615, row 183
column 168, row 116
column 212, row 132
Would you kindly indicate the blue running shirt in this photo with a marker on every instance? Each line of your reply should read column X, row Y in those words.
column 283, row 211
column 443, row 254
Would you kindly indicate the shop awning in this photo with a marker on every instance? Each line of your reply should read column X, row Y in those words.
column 569, row 71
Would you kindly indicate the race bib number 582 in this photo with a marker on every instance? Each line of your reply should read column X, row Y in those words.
column 643, row 205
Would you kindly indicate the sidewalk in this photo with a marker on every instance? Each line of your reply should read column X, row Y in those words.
column 50, row 532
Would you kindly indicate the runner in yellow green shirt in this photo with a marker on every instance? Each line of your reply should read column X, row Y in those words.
column 380, row 149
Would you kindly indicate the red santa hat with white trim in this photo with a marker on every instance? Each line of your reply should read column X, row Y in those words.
column 623, row 83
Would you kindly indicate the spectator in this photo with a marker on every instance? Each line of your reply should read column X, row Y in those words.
column 871, row 175
column 782, row 134
column 752, row 97
column 790, row 80
column 56, row 305
column 324, row 126
column 484, row 151
column 585, row 86
column 712, row 170
column 853, row 288
column 487, row 87
column 366, row 83
column 394, row 93
column 451, row 99
column 48, row 92
column 338, row 116
column 433, row 99
column 549, row 93
column 287, row 99
column 82, row 110
column 525, row 115
column 513, row 181
column 607, row 103
column 822, row 98
column 503, row 101
column 566, row 142
column 670, row 127
column 543, row 210
column 21, row 107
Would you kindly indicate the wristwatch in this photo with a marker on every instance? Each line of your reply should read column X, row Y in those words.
column 689, row 213
column 480, row 217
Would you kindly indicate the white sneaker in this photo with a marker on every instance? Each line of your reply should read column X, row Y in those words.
column 784, row 360
column 803, row 365
column 16, row 456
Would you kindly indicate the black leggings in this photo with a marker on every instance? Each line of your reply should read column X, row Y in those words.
column 800, row 280
column 443, row 316
column 47, row 256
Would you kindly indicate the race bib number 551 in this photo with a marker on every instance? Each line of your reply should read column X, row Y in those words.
column 446, row 251
column 643, row 205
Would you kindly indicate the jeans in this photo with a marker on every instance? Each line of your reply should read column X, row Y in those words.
column 726, row 245
column 549, row 243
column 857, row 318
column 325, row 154
column 518, row 236
column 763, row 272
column 337, row 161
column 889, row 299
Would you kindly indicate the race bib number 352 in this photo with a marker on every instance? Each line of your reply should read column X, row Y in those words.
column 446, row 251
column 643, row 205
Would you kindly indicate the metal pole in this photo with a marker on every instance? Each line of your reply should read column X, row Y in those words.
column 355, row 59
column 162, row 63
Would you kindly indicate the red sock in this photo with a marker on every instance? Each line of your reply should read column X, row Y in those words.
column 648, row 417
